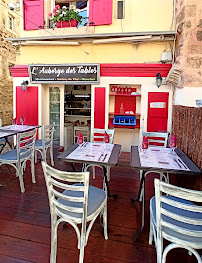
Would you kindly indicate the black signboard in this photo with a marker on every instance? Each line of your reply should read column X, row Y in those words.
column 65, row 74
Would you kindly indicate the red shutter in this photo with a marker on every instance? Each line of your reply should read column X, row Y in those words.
column 99, row 110
column 33, row 14
column 27, row 105
column 100, row 12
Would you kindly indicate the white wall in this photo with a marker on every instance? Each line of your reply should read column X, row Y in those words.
column 187, row 96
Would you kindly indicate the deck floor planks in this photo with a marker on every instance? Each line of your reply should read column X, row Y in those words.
column 25, row 221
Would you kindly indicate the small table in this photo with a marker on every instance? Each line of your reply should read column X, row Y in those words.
column 11, row 130
column 182, row 160
column 112, row 161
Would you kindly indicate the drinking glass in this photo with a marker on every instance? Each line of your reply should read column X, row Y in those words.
column 22, row 120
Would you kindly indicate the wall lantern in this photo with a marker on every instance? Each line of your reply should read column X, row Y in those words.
column 24, row 84
column 158, row 80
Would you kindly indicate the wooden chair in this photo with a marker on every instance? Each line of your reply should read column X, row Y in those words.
column 97, row 135
column 75, row 204
column 46, row 143
column 174, row 217
column 19, row 156
column 159, row 139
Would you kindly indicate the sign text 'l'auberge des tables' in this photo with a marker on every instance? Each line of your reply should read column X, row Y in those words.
column 65, row 74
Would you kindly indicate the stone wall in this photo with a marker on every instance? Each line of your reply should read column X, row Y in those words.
column 189, row 41
column 7, row 58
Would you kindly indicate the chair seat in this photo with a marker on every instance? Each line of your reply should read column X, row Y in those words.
column 178, row 211
column 96, row 197
column 12, row 155
column 38, row 143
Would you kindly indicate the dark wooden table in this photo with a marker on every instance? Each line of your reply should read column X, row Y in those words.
column 136, row 164
column 113, row 160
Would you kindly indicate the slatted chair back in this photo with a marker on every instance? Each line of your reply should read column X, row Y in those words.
column 74, row 185
column 156, row 138
column 178, row 219
column 47, row 134
column 25, row 144
column 97, row 135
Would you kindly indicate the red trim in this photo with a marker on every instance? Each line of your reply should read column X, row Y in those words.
column 113, row 70
column 134, row 70
column 19, row 71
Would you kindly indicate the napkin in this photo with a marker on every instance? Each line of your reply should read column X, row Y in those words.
column 145, row 143
column 80, row 139
column 106, row 138
column 173, row 141
column 14, row 121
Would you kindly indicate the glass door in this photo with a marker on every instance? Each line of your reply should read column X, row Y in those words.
column 54, row 110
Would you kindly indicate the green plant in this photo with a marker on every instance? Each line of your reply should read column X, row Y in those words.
column 64, row 14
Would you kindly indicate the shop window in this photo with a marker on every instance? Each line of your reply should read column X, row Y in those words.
column 10, row 22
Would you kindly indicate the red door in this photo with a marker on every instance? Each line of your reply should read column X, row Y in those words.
column 157, row 111
column 27, row 105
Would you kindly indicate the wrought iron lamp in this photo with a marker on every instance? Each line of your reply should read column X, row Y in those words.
column 24, row 84
column 158, row 80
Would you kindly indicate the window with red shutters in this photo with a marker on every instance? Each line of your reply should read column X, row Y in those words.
column 33, row 14
column 100, row 12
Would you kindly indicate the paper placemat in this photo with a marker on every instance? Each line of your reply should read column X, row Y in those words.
column 160, row 157
column 92, row 152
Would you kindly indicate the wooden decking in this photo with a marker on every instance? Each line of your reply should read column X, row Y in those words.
column 25, row 222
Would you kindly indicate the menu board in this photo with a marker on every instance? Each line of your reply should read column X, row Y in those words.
column 92, row 152
column 159, row 157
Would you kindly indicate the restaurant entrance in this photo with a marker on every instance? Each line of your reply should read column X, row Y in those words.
column 77, row 113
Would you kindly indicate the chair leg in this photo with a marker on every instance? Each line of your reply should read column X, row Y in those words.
column 108, row 173
column 33, row 170
column 20, row 176
column 51, row 155
column 150, row 233
column 93, row 172
column 105, row 221
column 53, row 239
column 81, row 254
column 35, row 154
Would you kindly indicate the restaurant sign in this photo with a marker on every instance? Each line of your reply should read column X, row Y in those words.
column 65, row 74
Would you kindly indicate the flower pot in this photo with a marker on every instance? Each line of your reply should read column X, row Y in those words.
column 72, row 23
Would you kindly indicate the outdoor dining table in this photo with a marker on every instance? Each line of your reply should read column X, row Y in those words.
column 11, row 130
column 159, row 160
column 88, row 153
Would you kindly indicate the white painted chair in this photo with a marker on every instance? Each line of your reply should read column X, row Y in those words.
column 174, row 217
column 46, row 143
column 97, row 135
column 156, row 138
column 75, row 204
column 19, row 156
column 160, row 139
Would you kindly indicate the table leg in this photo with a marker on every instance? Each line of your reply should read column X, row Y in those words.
column 141, row 188
column 107, row 184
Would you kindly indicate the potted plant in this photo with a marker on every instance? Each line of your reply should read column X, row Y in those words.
column 64, row 17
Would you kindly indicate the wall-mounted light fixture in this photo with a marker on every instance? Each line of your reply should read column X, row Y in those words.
column 14, row 5
column 158, row 80
column 24, row 84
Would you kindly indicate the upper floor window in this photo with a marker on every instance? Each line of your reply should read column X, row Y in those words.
column 10, row 22
column 120, row 9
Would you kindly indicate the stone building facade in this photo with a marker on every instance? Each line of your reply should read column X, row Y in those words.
column 9, row 27
column 189, row 41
